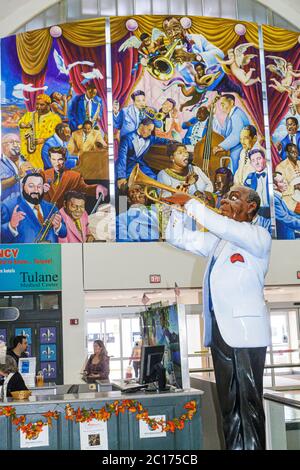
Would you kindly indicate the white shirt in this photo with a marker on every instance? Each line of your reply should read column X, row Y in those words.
column 140, row 144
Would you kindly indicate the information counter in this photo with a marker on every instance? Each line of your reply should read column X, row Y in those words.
column 123, row 431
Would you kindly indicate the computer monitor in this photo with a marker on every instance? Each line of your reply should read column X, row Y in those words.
column 152, row 368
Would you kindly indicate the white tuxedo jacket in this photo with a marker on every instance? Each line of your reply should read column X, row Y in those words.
column 236, row 285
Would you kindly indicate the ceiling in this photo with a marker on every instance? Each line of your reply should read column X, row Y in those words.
column 14, row 13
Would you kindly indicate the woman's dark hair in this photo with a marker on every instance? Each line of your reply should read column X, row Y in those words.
column 101, row 345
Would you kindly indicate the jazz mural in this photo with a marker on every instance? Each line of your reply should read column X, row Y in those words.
column 282, row 58
column 54, row 159
column 187, row 108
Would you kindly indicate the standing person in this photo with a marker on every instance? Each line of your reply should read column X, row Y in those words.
column 290, row 170
column 248, row 139
column 287, row 221
column 136, row 358
column 35, row 128
column 13, row 380
column 236, row 120
column 19, row 348
column 258, row 180
column 292, row 137
column 237, row 327
column 88, row 106
column 97, row 366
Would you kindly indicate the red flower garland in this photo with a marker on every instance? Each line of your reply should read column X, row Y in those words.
column 81, row 415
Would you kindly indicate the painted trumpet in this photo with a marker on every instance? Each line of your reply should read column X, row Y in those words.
column 138, row 177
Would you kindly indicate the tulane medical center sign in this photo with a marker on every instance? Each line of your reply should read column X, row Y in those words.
column 30, row 267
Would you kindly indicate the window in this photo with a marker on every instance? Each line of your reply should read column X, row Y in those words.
column 49, row 301
column 22, row 302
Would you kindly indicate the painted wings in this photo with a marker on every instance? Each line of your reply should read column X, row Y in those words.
column 239, row 53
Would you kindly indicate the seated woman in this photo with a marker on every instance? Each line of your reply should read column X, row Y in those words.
column 13, row 380
column 97, row 366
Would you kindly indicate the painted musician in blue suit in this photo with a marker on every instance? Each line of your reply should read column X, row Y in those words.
column 129, row 118
column 85, row 107
column 258, row 180
column 22, row 219
column 236, row 120
column 292, row 137
column 287, row 221
column 132, row 149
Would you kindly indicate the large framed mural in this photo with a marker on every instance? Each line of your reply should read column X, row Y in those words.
column 188, row 110
column 282, row 58
column 54, row 163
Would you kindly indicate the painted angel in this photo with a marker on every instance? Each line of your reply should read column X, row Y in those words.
column 237, row 59
column 148, row 46
column 294, row 96
column 284, row 70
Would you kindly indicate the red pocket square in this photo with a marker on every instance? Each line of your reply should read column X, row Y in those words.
column 237, row 257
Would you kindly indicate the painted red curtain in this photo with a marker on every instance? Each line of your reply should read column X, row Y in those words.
column 73, row 53
column 123, row 73
column 279, row 102
column 37, row 81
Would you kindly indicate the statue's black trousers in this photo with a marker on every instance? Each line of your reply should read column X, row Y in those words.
column 239, row 381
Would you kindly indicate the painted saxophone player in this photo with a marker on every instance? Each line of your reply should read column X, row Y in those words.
column 236, row 317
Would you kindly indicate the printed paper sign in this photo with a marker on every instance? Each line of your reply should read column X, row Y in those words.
column 93, row 435
column 147, row 432
column 40, row 441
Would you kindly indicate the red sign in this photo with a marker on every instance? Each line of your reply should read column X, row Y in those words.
column 298, row 274
column 74, row 321
column 155, row 279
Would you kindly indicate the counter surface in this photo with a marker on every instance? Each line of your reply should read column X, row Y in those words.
column 95, row 396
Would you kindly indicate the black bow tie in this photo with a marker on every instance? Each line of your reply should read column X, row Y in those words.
column 263, row 174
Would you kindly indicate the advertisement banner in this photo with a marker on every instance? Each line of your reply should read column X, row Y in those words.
column 30, row 268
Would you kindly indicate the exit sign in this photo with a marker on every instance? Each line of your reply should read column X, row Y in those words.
column 155, row 279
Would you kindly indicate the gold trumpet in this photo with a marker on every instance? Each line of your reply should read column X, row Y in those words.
column 161, row 66
column 138, row 177
column 152, row 114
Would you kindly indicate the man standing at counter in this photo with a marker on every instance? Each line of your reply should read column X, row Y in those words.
column 235, row 314
column 19, row 348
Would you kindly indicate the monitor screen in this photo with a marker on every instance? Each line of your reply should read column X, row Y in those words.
column 151, row 357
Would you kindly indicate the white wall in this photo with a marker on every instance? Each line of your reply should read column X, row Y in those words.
column 72, row 307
